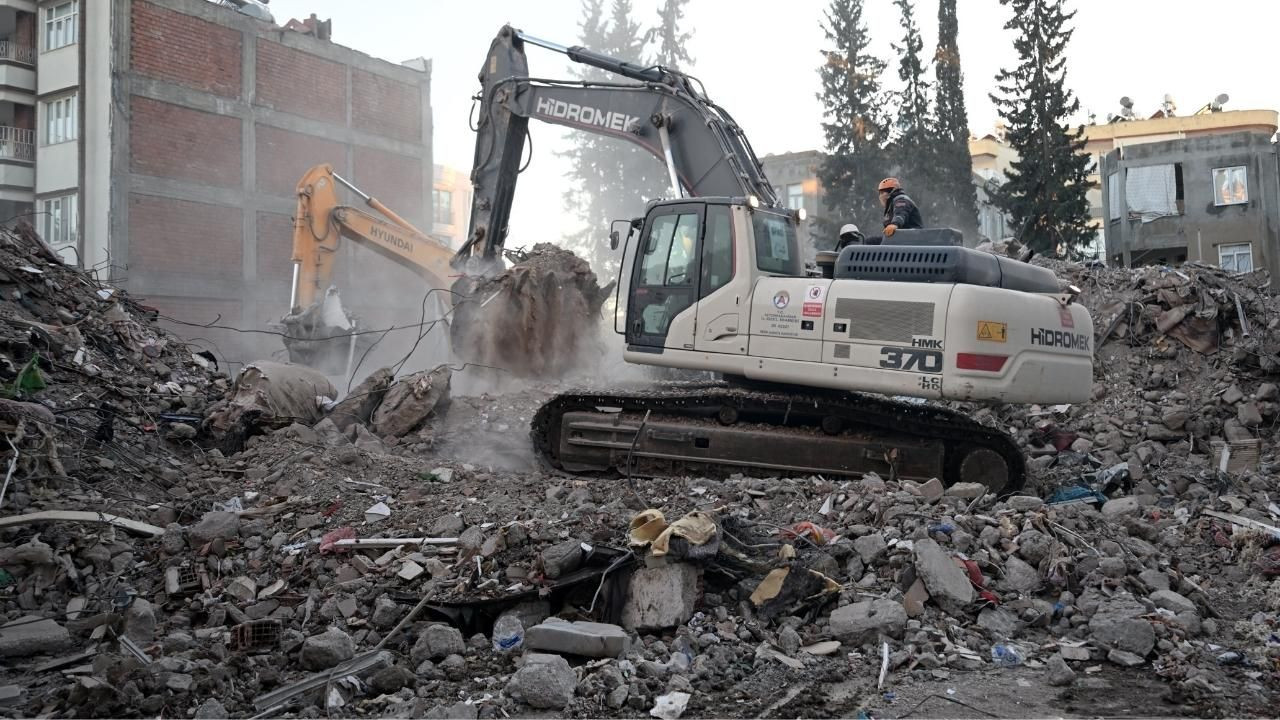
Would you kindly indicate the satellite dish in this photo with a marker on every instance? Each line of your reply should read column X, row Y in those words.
column 1126, row 102
column 1222, row 99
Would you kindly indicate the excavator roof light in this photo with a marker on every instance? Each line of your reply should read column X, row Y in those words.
column 801, row 214
column 753, row 201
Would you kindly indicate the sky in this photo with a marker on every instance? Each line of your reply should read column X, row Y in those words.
column 760, row 60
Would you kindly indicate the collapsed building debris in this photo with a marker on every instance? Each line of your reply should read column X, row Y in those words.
column 1139, row 570
column 537, row 319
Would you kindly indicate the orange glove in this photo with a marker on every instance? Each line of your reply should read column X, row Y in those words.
column 890, row 229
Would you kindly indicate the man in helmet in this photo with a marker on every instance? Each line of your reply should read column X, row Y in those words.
column 849, row 235
column 900, row 211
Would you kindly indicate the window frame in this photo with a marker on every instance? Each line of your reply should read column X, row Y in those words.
column 1221, row 172
column 64, row 28
column 799, row 196
column 67, row 234
column 66, row 110
column 436, row 195
column 705, row 284
column 1235, row 250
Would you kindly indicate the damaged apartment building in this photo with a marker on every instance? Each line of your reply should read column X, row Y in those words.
column 159, row 142
column 1210, row 197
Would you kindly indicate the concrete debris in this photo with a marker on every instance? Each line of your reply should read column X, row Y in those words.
column 588, row 639
column 323, row 651
column 549, row 284
column 661, row 597
column 155, row 572
column 543, row 681
column 29, row 636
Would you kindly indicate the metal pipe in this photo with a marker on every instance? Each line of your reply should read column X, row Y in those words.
column 347, row 184
column 671, row 163
column 293, row 288
column 542, row 43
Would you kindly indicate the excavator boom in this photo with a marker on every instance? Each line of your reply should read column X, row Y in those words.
column 320, row 223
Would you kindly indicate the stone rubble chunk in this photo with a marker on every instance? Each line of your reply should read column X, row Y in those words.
column 225, row 525
column 1058, row 673
column 1170, row 600
column 329, row 648
column 865, row 621
column 561, row 559
column 947, row 584
column 661, row 597
column 31, row 635
column 588, row 639
column 437, row 642
column 543, row 681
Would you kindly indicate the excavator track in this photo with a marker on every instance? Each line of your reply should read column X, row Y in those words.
column 717, row 428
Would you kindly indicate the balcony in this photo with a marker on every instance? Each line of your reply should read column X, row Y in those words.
column 17, row 144
column 12, row 51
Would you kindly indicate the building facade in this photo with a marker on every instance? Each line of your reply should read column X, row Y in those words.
column 169, row 137
column 450, row 206
column 1212, row 198
column 992, row 156
column 795, row 182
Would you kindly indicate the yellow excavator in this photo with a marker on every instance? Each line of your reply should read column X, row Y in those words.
column 319, row 331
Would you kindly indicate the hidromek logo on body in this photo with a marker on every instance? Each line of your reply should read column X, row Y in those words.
column 587, row 114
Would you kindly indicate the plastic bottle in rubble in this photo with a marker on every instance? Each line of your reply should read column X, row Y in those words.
column 1003, row 655
column 508, row 634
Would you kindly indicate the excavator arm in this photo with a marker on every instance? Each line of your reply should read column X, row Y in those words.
column 322, row 220
column 704, row 150
column 319, row 332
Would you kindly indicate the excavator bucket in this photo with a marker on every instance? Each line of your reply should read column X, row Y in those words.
column 540, row 318
column 325, row 336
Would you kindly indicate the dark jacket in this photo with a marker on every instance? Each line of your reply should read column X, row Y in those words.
column 902, row 211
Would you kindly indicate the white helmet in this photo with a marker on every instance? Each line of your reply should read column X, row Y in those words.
column 850, row 229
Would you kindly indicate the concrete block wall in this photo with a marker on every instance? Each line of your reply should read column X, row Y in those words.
column 217, row 117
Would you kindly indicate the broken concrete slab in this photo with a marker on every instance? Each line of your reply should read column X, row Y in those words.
column 437, row 642
column 866, row 621
column 225, row 525
column 947, row 584
column 31, row 635
column 1118, row 624
column 1175, row 602
column 661, row 597
column 561, row 559
column 589, row 639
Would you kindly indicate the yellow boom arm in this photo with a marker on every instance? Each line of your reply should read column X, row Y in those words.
column 320, row 221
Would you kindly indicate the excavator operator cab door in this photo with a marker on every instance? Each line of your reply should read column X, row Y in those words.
column 664, row 278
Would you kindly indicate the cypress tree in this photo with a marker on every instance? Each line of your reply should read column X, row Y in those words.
column 912, row 153
column 853, row 121
column 955, row 202
column 672, row 39
column 609, row 178
column 1045, row 194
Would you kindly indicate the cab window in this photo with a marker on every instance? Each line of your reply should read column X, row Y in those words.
column 777, row 250
column 717, row 250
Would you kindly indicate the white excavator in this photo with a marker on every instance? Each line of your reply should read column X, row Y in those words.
column 713, row 279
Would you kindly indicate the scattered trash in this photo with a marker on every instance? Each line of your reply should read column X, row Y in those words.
column 670, row 706
column 377, row 513
column 1007, row 655
column 508, row 633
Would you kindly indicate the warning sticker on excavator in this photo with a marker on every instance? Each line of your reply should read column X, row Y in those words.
column 993, row 331
column 813, row 299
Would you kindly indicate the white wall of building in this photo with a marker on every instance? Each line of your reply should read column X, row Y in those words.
column 96, row 134
column 59, row 69
column 59, row 165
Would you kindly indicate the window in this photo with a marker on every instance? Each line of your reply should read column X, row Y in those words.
column 777, row 250
column 442, row 206
column 1230, row 186
column 60, row 120
column 1113, row 195
column 795, row 196
column 670, row 250
column 60, row 23
column 60, row 221
column 717, row 250
column 1236, row 258
column 1153, row 191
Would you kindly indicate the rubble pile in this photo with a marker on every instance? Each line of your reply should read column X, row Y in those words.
column 1187, row 363
column 537, row 319
column 394, row 553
